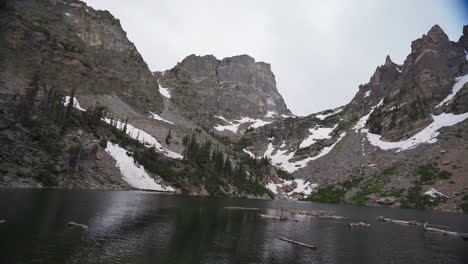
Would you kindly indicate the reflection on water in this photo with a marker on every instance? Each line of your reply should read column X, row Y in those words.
column 141, row 227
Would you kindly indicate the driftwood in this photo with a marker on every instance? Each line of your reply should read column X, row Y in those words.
column 298, row 243
column 445, row 232
column 358, row 224
column 282, row 218
column 314, row 213
column 2, row 221
column 241, row 208
column 412, row 222
column 334, row 217
column 76, row 225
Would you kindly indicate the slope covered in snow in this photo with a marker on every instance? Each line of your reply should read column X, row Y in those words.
column 234, row 125
column 164, row 92
column 158, row 117
column 281, row 158
column 143, row 137
column 459, row 82
column 135, row 175
column 323, row 116
column 133, row 132
column 302, row 187
column 316, row 134
column 427, row 135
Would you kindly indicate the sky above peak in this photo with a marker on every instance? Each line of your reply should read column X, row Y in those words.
column 320, row 51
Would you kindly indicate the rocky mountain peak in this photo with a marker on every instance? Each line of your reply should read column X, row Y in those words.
column 233, row 87
column 463, row 41
column 200, row 66
column 388, row 61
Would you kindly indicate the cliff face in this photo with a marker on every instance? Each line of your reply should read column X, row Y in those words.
column 426, row 79
column 205, row 87
column 74, row 47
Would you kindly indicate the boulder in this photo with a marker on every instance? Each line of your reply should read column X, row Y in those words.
column 386, row 200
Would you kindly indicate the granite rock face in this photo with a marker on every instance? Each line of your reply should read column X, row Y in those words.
column 205, row 87
column 73, row 46
column 427, row 77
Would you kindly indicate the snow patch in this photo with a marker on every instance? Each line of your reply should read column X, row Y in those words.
column 234, row 125
column 135, row 175
column 157, row 117
column 302, row 186
column 164, row 92
column 250, row 153
column 363, row 120
column 76, row 104
column 271, row 114
column 434, row 193
column 323, row 116
column 143, row 137
column 281, row 157
column 316, row 134
column 67, row 14
column 459, row 82
column 428, row 135
column 367, row 94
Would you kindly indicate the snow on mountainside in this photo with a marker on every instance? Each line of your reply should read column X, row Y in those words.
column 135, row 175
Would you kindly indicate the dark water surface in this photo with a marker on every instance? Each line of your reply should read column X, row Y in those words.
column 141, row 227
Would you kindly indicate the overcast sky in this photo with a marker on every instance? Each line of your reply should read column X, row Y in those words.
column 320, row 51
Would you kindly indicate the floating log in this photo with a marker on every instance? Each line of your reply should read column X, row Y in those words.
column 358, row 224
column 282, row 218
column 314, row 213
column 76, row 225
column 334, row 217
column 297, row 243
column 2, row 221
column 445, row 232
column 412, row 222
column 242, row 208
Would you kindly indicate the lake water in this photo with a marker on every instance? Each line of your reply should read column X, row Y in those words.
column 144, row 227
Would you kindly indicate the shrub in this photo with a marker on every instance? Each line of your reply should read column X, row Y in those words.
column 47, row 178
column 3, row 170
column 285, row 175
column 428, row 173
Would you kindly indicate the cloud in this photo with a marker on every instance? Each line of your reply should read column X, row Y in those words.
column 320, row 51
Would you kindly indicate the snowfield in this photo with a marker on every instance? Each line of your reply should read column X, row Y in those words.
column 234, row 125
column 135, row 175
column 281, row 157
column 426, row 136
column 322, row 117
column 158, row 117
column 459, row 82
column 144, row 138
column 133, row 132
column 164, row 92
column 303, row 186
column 316, row 134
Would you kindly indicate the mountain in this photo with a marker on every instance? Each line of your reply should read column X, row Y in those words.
column 232, row 90
column 79, row 107
column 401, row 135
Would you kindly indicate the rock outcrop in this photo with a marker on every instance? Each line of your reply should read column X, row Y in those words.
column 235, row 87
